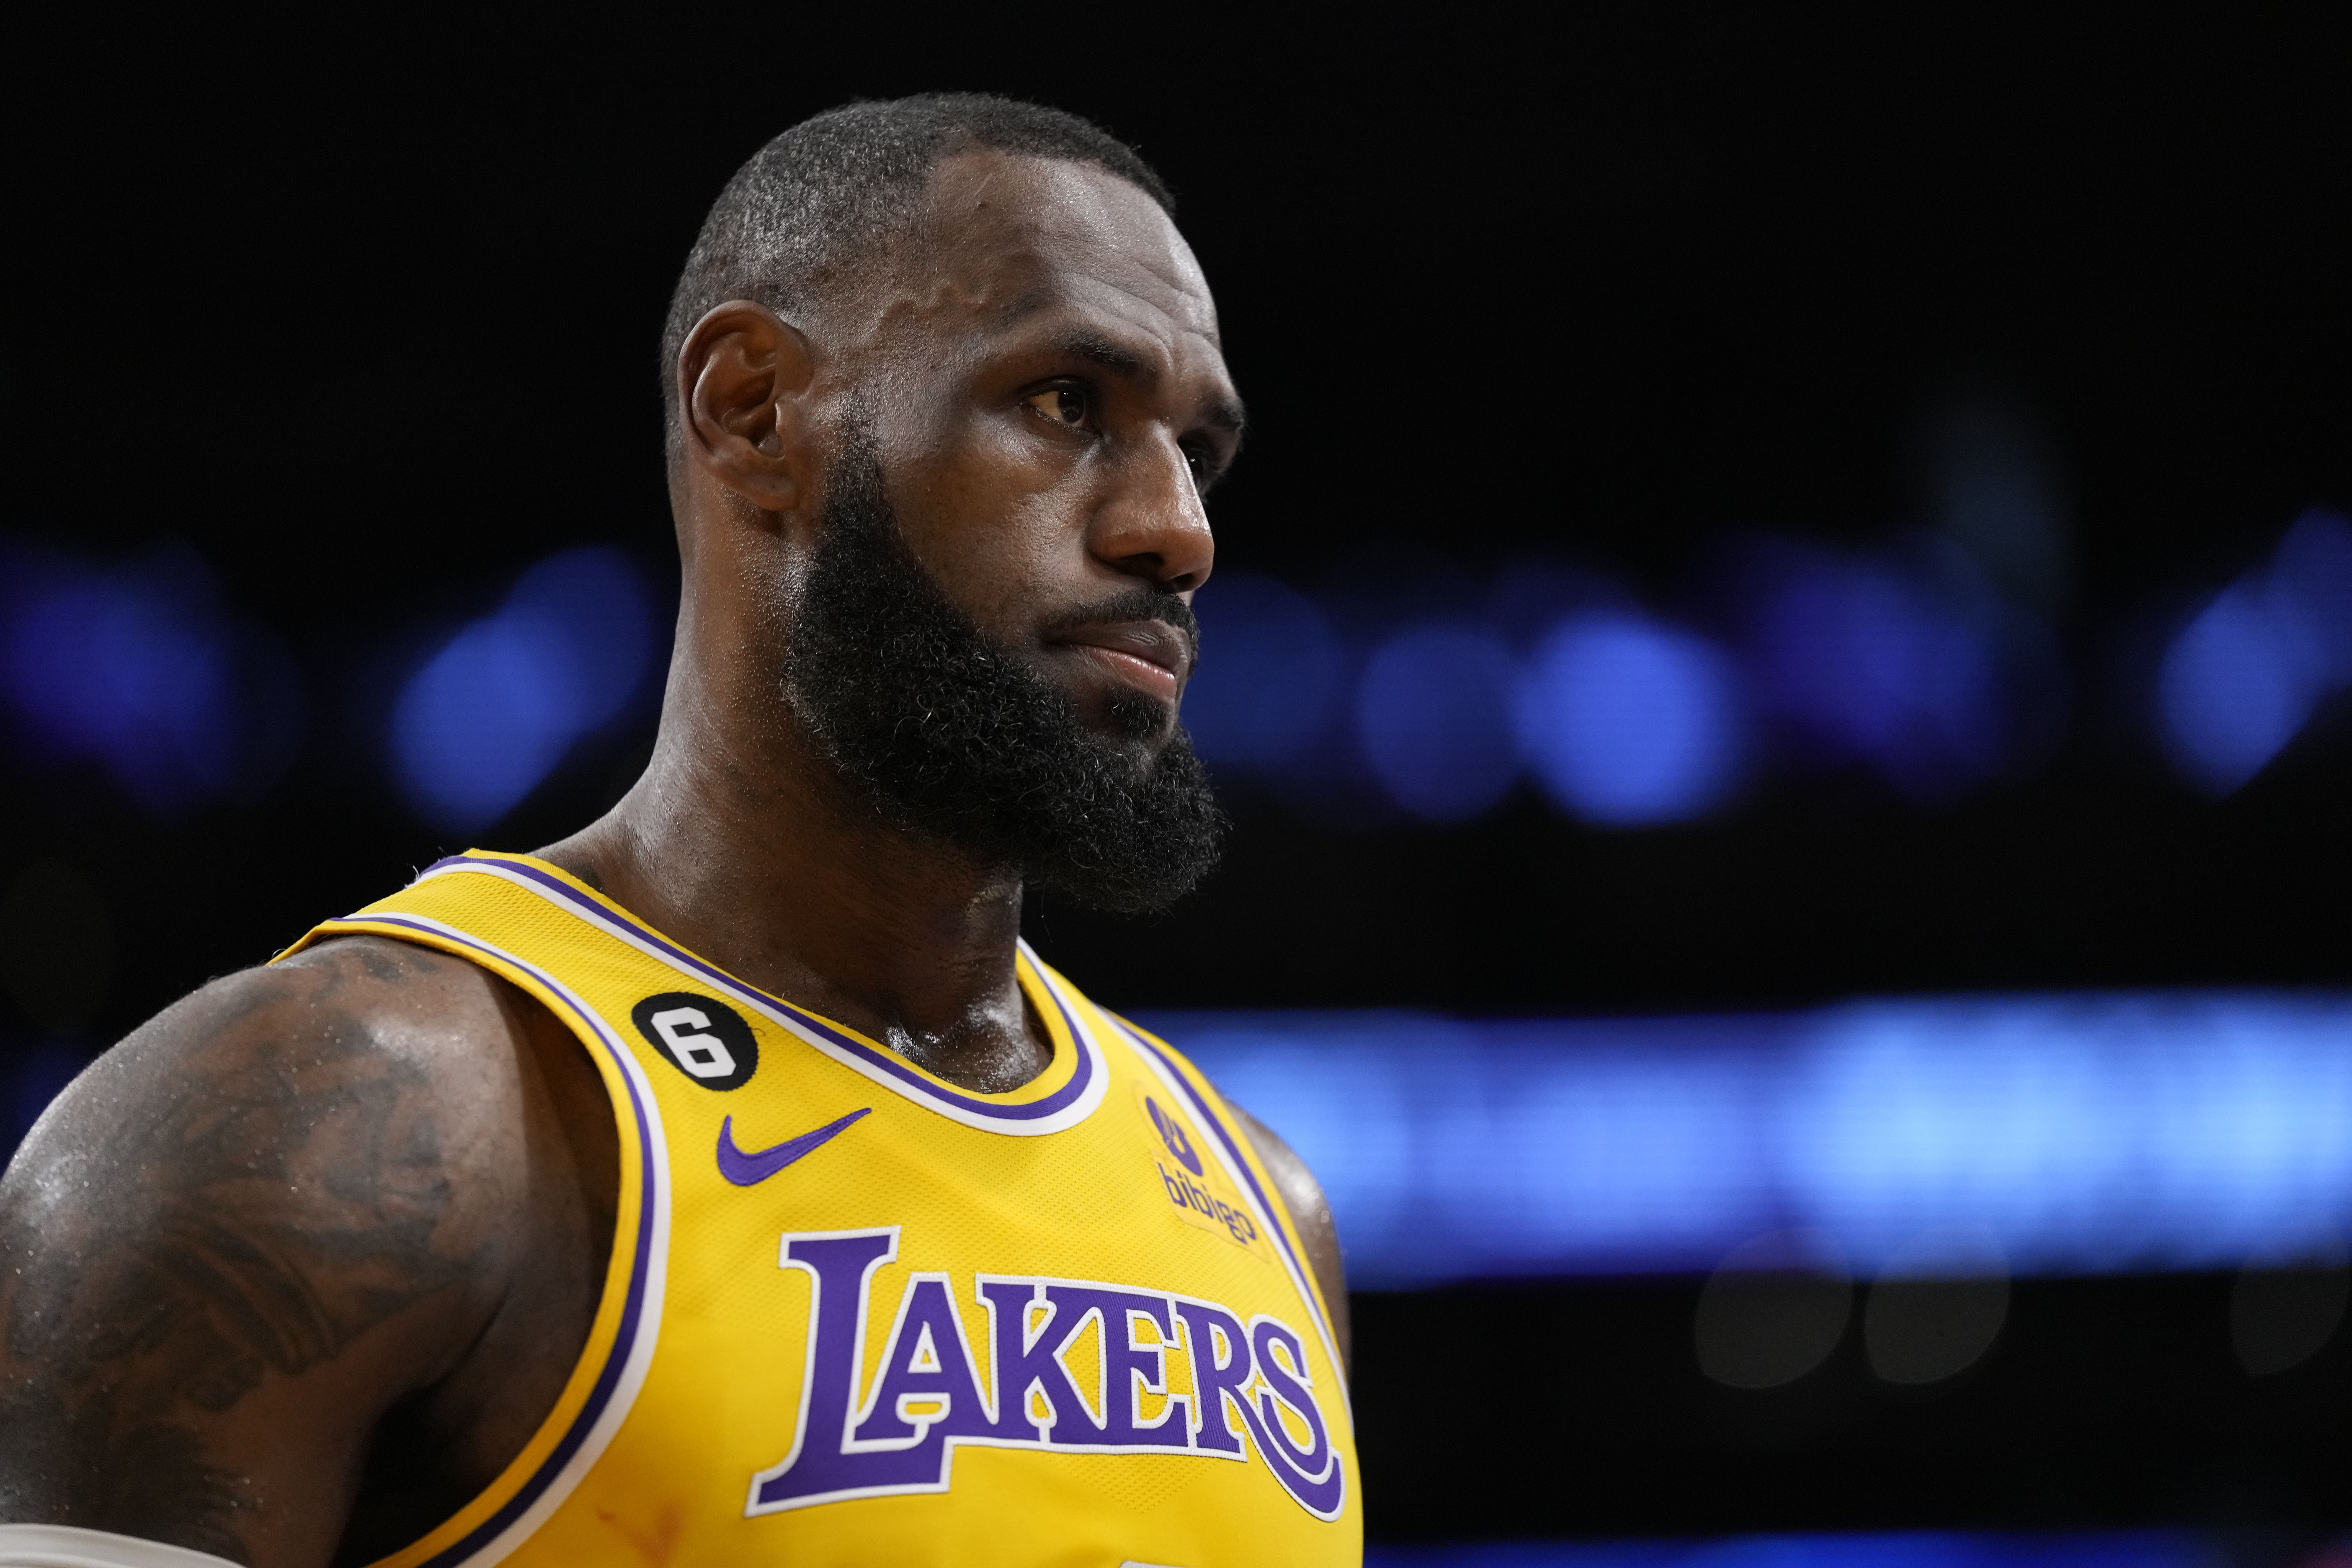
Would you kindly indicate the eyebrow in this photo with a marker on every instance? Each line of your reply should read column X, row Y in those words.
column 1119, row 360
column 1082, row 342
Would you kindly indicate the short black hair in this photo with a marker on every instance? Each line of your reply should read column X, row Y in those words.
column 823, row 193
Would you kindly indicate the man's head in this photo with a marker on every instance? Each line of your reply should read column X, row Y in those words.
column 947, row 392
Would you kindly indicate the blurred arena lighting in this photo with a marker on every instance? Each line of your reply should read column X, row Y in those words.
column 1271, row 678
column 2066, row 1134
column 1892, row 659
column 138, row 668
column 1630, row 723
column 1407, row 677
column 1907, row 1548
column 2248, row 671
column 494, row 707
column 1434, row 714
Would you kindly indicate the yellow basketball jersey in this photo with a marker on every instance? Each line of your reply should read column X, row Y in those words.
column 856, row 1315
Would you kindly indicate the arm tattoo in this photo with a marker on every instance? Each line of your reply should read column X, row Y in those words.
column 204, row 1219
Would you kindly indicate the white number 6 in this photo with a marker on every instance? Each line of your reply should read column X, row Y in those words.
column 704, row 1055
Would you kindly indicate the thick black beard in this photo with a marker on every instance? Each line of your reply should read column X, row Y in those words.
column 947, row 736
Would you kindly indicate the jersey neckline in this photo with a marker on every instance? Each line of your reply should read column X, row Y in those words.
column 1061, row 1097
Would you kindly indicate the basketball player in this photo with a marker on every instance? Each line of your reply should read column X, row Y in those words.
column 727, row 1184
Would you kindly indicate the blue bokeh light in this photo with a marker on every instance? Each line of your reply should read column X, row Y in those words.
column 498, row 705
column 2314, row 571
column 1630, row 723
column 2074, row 1134
column 2247, row 672
column 1928, row 660
column 1434, row 716
column 1889, row 661
column 2239, row 682
column 1271, row 680
column 140, row 668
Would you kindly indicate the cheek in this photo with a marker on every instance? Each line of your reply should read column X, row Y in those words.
column 962, row 487
column 1011, row 574
column 1005, row 538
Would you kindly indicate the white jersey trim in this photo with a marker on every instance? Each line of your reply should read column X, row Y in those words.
column 69, row 1546
column 1066, row 1107
column 631, row 1357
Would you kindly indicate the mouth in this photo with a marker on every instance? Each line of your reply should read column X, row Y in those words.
column 1149, row 655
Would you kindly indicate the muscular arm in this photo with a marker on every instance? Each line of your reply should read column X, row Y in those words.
column 296, row 1203
column 1310, row 1215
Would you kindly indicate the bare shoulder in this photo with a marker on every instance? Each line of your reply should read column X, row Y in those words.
column 247, row 1230
column 1310, row 1213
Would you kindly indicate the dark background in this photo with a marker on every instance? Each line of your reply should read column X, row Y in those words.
column 368, row 315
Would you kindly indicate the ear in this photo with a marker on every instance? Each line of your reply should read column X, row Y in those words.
column 741, row 377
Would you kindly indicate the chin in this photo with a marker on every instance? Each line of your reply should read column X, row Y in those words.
column 1131, row 719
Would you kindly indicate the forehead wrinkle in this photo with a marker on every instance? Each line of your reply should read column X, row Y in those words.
column 1166, row 321
column 1045, row 241
column 929, row 289
column 1073, row 219
column 1102, row 311
column 1081, row 291
column 1029, row 301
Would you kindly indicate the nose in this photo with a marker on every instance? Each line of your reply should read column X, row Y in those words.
column 1150, row 524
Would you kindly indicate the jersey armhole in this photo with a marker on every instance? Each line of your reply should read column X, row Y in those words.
column 1234, row 1133
column 604, row 1381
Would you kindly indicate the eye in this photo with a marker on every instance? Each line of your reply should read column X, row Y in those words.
column 1203, row 459
column 1066, row 405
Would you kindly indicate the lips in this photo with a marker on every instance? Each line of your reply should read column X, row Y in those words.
column 1151, row 655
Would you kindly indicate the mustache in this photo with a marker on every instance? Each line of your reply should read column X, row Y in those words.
column 1136, row 604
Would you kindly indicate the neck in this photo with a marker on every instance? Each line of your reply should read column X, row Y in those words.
column 742, row 842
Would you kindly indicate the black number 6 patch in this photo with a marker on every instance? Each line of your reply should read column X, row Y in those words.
column 708, row 1041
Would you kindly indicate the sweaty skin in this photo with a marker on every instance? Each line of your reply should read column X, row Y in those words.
column 298, row 1267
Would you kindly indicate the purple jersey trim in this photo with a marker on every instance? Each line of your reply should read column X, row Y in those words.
column 640, row 1263
column 1275, row 1217
column 1062, row 1098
